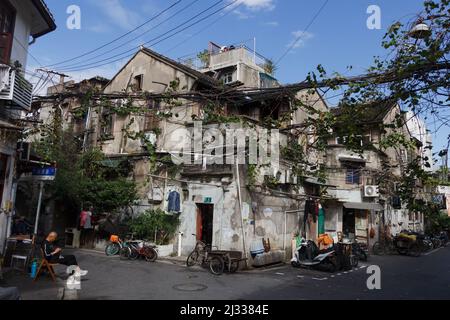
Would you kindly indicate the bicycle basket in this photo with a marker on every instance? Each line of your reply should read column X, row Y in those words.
column 114, row 239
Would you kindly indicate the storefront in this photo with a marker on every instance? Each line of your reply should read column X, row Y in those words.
column 358, row 220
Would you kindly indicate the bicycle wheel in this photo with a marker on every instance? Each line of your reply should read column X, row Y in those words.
column 112, row 249
column 134, row 253
column 150, row 254
column 125, row 253
column 192, row 259
column 378, row 249
column 354, row 260
column 216, row 265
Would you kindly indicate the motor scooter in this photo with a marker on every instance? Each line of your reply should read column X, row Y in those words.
column 308, row 255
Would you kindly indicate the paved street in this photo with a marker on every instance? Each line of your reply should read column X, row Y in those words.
column 427, row 277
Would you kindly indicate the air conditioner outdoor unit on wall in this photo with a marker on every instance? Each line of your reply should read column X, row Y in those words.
column 371, row 191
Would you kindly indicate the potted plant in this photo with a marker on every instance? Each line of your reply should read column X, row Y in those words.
column 157, row 227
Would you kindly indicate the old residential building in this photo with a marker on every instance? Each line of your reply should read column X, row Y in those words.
column 235, row 206
column 365, row 197
column 226, row 205
column 237, row 66
column 19, row 21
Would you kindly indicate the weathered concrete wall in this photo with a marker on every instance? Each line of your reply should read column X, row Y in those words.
column 157, row 75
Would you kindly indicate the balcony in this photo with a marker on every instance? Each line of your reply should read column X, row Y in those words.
column 15, row 88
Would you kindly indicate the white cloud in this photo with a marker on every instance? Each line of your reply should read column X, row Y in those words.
column 300, row 38
column 272, row 24
column 242, row 7
column 99, row 28
column 117, row 14
column 257, row 4
column 241, row 15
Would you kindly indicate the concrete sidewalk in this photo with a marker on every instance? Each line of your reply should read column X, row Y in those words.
column 43, row 289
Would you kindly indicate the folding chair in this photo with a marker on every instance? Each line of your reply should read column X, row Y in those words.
column 46, row 265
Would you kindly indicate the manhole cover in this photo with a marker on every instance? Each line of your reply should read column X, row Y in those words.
column 190, row 287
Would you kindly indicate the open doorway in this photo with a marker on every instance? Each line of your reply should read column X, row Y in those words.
column 3, row 167
column 348, row 223
column 205, row 216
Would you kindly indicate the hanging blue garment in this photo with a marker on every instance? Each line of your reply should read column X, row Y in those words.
column 174, row 202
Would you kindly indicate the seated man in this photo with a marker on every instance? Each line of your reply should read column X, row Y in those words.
column 53, row 254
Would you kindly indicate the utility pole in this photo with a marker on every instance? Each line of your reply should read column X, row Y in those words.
column 62, row 76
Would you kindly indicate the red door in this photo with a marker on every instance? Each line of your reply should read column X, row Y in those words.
column 199, row 224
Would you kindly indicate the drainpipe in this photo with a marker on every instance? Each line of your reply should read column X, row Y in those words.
column 180, row 235
column 240, row 208
column 38, row 211
column 11, row 209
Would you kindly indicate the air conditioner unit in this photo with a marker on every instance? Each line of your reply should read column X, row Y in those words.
column 280, row 175
column 371, row 191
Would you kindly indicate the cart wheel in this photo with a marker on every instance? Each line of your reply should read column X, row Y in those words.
column 234, row 266
column 192, row 259
column 415, row 251
column 216, row 265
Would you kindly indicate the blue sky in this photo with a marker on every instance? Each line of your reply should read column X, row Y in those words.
column 338, row 38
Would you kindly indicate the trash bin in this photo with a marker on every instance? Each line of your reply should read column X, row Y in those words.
column 72, row 238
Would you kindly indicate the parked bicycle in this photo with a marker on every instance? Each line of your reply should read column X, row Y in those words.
column 202, row 255
column 360, row 250
column 137, row 249
column 115, row 245
column 384, row 247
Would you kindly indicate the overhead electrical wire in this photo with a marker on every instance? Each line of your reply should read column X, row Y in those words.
column 202, row 29
column 130, row 52
column 133, row 39
column 126, row 54
column 292, row 46
column 118, row 38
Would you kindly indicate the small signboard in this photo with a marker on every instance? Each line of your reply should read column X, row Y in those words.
column 44, row 174
column 207, row 200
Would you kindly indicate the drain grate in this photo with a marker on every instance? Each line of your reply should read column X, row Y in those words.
column 190, row 287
